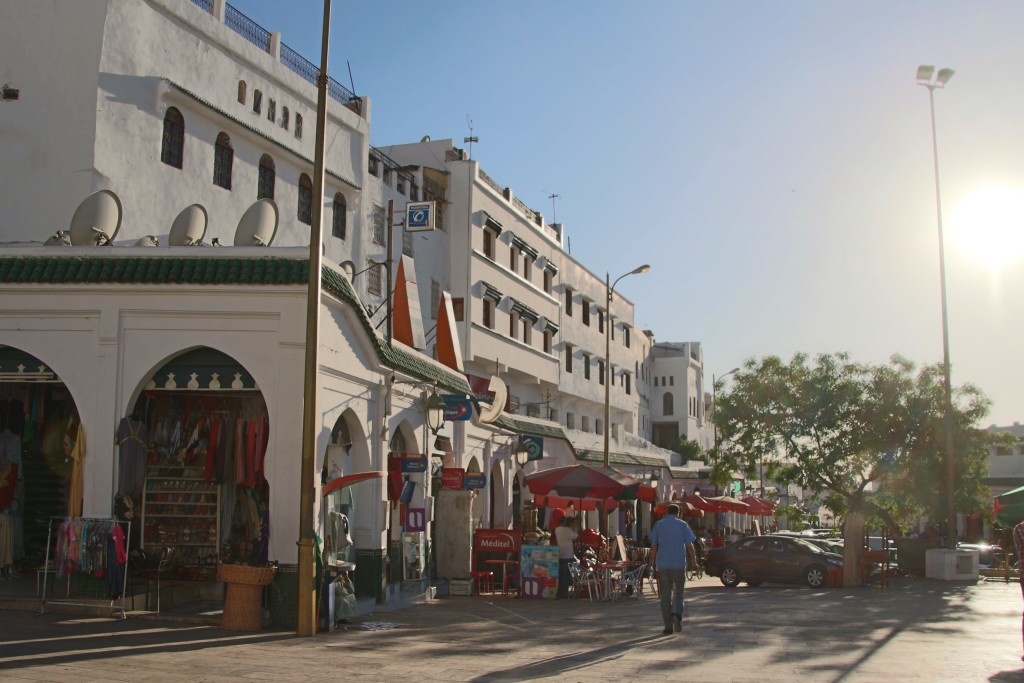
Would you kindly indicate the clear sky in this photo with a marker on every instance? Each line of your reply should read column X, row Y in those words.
column 772, row 161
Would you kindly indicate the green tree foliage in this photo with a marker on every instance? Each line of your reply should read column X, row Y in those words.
column 865, row 438
column 690, row 450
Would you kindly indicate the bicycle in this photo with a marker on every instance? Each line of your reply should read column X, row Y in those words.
column 695, row 572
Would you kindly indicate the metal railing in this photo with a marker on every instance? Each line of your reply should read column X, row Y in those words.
column 205, row 4
column 310, row 72
column 488, row 180
column 247, row 28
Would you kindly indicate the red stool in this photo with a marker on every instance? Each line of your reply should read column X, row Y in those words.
column 510, row 579
column 484, row 581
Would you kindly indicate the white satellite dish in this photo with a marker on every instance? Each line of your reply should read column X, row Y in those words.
column 148, row 241
column 97, row 220
column 258, row 224
column 58, row 239
column 188, row 227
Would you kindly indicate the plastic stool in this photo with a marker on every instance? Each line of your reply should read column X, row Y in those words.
column 484, row 581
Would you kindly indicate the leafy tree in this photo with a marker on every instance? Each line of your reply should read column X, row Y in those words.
column 865, row 438
column 690, row 450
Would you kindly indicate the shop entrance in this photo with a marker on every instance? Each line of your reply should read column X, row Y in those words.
column 191, row 468
column 38, row 429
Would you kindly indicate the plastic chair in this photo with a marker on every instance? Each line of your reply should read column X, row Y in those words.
column 631, row 581
column 484, row 581
column 584, row 578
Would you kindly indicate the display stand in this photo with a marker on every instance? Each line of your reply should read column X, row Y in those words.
column 180, row 511
column 50, row 544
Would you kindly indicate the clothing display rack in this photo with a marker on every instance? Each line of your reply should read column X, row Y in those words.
column 91, row 551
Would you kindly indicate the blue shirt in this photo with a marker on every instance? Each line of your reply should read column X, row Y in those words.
column 671, row 535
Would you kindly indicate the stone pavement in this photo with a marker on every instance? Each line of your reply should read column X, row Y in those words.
column 918, row 630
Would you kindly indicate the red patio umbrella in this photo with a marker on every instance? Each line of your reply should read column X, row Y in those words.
column 727, row 504
column 581, row 481
column 685, row 509
column 699, row 502
column 761, row 507
column 584, row 504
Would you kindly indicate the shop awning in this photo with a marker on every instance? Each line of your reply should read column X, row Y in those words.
column 342, row 482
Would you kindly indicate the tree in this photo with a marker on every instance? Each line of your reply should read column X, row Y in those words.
column 690, row 450
column 865, row 438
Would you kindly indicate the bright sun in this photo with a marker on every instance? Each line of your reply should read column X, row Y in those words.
column 988, row 225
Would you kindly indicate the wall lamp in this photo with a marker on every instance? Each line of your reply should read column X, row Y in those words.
column 435, row 407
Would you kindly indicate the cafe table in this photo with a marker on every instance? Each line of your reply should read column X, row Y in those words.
column 610, row 567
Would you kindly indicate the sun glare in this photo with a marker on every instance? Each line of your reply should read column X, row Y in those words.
column 988, row 225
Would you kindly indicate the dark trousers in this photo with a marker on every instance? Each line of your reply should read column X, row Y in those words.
column 564, row 578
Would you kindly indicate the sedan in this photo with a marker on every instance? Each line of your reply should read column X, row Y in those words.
column 782, row 559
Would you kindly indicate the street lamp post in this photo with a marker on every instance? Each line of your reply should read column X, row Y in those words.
column 927, row 77
column 306, row 579
column 609, row 292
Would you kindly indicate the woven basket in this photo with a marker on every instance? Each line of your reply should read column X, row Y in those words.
column 243, row 600
column 245, row 574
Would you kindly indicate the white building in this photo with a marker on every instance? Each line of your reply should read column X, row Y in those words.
column 678, row 405
column 185, row 112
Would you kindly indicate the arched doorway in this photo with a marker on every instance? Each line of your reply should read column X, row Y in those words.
column 202, row 493
column 39, row 426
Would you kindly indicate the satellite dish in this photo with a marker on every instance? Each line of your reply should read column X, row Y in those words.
column 349, row 269
column 257, row 225
column 188, row 227
column 148, row 241
column 97, row 220
column 58, row 239
column 490, row 413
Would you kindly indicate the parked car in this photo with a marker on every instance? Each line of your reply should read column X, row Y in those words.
column 985, row 552
column 782, row 559
column 829, row 545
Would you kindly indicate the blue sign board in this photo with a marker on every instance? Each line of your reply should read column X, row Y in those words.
column 474, row 481
column 419, row 216
column 534, row 446
column 414, row 465
column 457, row 408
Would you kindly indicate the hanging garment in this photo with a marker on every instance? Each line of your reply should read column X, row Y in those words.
column 133, row 439
column 76, row 455
column 211, row 451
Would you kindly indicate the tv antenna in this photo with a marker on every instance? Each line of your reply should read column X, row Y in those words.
column 470, row 139
column 554, row 213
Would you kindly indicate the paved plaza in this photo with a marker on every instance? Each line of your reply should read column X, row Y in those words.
column 918, row 630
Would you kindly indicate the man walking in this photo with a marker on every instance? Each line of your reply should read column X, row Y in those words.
column 1018, row 542
column 671, row 544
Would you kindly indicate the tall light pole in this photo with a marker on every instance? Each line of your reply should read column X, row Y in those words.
column 927, row 77
column 306, row 579
column 609, row 292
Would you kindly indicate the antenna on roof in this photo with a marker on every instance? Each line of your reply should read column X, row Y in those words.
column 554, row 213
column 471, row 138
column 350, row 79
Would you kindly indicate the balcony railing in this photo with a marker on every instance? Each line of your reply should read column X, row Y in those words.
column 247, row 28
column 205, row 4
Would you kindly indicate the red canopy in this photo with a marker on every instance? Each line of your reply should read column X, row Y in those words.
column 686, row 509
column 760, row 506
column 581, row 481
column 584, row 504
column 727, row 504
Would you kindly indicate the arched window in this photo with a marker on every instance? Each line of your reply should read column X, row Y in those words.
column 257, row 101
column 241, row 92
column 340, row 223
column 172, row 152
column 223, row 160
column 298, row 126
column 284, row 117
column 666, row 404
column 265, row 190
column 305, row 213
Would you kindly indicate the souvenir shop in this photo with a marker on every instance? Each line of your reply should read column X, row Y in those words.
column 191, row 470
column 39, row 438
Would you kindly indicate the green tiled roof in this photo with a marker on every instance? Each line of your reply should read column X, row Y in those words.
column 546, row 430
column 219, row 270
column 619, row 458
